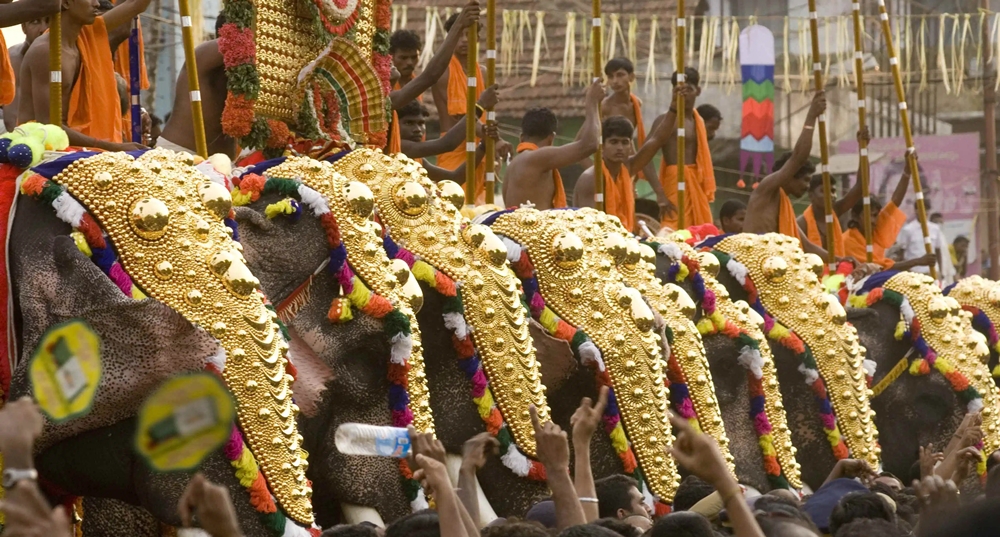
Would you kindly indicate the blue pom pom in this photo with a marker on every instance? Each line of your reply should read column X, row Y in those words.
column 4, row 146
column 20, row 155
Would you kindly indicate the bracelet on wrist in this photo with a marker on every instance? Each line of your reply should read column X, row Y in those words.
column 586, row 499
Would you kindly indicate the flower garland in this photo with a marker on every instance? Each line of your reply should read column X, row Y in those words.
column 791, row 341
column 356, row 295
column 91, row 241
column 713, row 322
column 468, row 359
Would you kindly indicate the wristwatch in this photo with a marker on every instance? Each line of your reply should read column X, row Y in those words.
column 11, row 476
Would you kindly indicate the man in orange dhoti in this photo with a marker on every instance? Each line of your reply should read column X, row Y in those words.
column 618, row 169
column 770, row 208
column 699, row 175
column 29, row 15
column 92, row 116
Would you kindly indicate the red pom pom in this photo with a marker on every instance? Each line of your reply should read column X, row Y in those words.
column 741, row 183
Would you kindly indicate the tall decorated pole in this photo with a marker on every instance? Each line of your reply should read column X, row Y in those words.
column 201, row 144
column 491, row 78
column 133, row 82
column 55, row 70
column 824, row 150
column 904, row 119
column 471, row 63
column 681, row 120
column 598, row 68
column 859, row 82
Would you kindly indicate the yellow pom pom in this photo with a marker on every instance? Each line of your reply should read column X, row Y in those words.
column 279, row 208
column 137, row 294
column 246, row 468
column 423, row 272
column 779, row 332
column 484, row 404
column 618, row 438
column 548, row 320
column 857, row 301
column 360, row 296
column 705, row 326
column 240, row 199
column 833, row 436
column 81, row 243
column 900, row 330
column 56, row 138
column 766, row 445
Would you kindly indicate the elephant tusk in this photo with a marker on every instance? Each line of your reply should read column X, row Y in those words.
column 356, row 514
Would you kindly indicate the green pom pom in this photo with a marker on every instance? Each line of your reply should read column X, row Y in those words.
column 284, row 187
column 579, row 338
column 396, row 323
column 274, row 521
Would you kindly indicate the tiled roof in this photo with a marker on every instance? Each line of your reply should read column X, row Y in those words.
column 518, row 94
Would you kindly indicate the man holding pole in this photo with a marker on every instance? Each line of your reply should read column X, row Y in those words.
column 28, row 14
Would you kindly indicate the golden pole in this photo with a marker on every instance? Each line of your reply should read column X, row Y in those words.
column 598, row 69
column 471, row 63
column 201, row 144
column 859, row 83
column 55, row 70
column 491, row 78
column 824, row 151
column 904, row 118
column 681, row 79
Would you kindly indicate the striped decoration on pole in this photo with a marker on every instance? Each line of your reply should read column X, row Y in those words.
column 133, row 82
column 824, row 149
column 757, row 130
column 863, row 170
column 471, row 66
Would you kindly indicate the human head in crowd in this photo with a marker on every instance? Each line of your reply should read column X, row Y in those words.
column 712, row 118
column 622, row 528
column 801, row 185
column 691, row 491
column 681, row 524
column 463, row 41
column 858, row 212
column 420, row 524
column 515, row 529
column 693, row 79
column 352, row 530
column 859, row 505
column 618, row 497
column 868, row 527
column 587, row 530
column 620, row 73
column 405, row 47
column 731, row 216
column 220, row 21
column 33, row 29
column 617, row 144
column 937, row 218
column 539, row 126
column 413, row 121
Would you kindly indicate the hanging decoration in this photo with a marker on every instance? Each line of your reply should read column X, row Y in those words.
column 757, row 131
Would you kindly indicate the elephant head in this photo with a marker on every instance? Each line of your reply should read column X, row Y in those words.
column 981, row 298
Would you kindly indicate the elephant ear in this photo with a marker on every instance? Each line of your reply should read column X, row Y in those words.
column 143, row 342
column 555, row 357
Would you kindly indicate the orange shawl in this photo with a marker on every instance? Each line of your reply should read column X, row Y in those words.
column 123, row 67
column 395, row 143
column 787, row 223
column 397, row 86
column 457, row 85
column 889, row 222
column 559, row 196
column 94, row 108
column 640, row 127
column 699, row 179
column 619, row 197
column 7, row 85
column 812, row 232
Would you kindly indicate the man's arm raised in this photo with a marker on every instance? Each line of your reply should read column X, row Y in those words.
column 553, row 157
column 438, row 63
column 124, row 12
column 452, row 138
column 800, row 154
column 15, row 13
column 583, row 192
column 659, row 135
column 853, row 195
column 457, row 175
column 899, row 194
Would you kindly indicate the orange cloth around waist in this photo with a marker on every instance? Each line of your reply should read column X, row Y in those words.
column 640, row 127
column 7, row 84
column 395, row 143
column 94, row 108
column 812, row 232
column 699, row 179
column 457, row 106
column 559, row 195
column 787, row 223
column 619, row 197
column 889, row 222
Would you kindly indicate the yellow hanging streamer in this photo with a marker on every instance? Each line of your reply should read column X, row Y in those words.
column 734, row 63
column 651, row 59
column 507, row 42
column 569, row 50
column 923, row 54
column 614, row 30
column 787, row 84
column 633, row 39
column 942, row 64
column 537, row 54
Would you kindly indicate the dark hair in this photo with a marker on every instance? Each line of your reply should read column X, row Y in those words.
column 451, row 20
column 933, row 215
column 613, row 494
column 961, row 238
column 423, row 523
column 782, row 507
column 775, row 526
column 730, row 208
column 618, row 526
column 356, row 530
column 105, row 5
column 538, row 122
column 858, row 505
column 405, row 40
column 681, row 524
column 807, row 169
column 691, row 77
column 691, row 491
column 587, row 530
column 866, row 527
column 619, row 64
column 220, row 20
column 412, row 108
column 617, row 126
column 515, row 529
column 816, row 181
column 856, row 211
column 707, row 112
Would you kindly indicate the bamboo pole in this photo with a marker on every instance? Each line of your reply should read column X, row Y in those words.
column 990, row 140
column 904, row 119
column 681, row 108
column 198, row 118
column 491, row 79
column 824, row 150
column 598, row 68
column 471, row 63
column 55, row 70
column 133, row 82
column 863, row 170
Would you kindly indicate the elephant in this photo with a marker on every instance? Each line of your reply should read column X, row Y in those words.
column 980, row 297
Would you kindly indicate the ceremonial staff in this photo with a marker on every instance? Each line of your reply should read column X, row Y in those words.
column 471, row 65
column 55, row 70
column 599, row 154
column 681, row 79
column 201, row 145
column 824, row 150
column 904, row 119
column 491, row 78
column 859, row 82
column 133, row 81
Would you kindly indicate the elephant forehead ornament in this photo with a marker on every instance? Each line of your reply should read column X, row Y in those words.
column 790, row 291
column 978, row 293
column 164, row 220
column 605, row 240
column 352, row 204
column 432, row 228
column 949, row 333
column 615, row 317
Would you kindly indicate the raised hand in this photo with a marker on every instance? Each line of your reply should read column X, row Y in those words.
column 490, row 97
column 588, row 416
column 468, row 17
column 595, row 93
column 208, row 505
column 818, row 105
column 29, row 515
column 928, row 460
column 551, row 444
column 424, row 444
column 699, row 454
column 477, row 450
column 432, row 474
column 20, row 424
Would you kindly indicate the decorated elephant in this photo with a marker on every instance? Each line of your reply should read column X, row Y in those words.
column 981, row 298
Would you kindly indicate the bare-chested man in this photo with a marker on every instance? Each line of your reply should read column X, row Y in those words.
column 413, row 128
column 11, row 14
column 770, row 207
column 90, row 100
column 32, row 30
column 178, row 133
column 533, row 175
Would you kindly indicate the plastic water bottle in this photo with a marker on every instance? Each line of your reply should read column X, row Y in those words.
column 372, row 440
